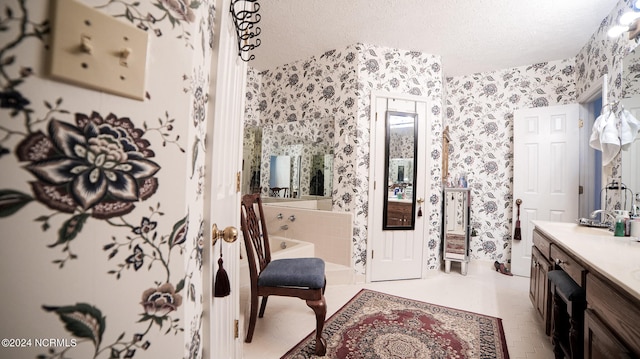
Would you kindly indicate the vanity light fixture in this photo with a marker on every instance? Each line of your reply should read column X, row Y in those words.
column 245, row 17
column 629, row 21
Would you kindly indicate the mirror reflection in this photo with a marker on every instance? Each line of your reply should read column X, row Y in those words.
column 400, row 158
column 290, row 161
column 631, row 102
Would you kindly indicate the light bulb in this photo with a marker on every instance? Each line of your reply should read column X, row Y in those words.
column 628, row 17
column 617, row 31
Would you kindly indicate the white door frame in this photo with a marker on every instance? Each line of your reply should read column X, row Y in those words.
column 223, row 164
column 552, row 132
column 587, row 154
column 424, row 170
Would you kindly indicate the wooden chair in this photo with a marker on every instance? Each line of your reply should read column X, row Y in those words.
column 279, row 192
column 295, row 277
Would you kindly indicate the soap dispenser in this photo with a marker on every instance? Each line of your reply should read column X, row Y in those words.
column 619, row 230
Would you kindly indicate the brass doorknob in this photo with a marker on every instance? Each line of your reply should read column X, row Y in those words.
column 229, row 234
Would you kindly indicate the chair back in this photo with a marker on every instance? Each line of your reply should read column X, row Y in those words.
column 254, row 231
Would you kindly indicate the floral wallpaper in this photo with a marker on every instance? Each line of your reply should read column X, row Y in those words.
column 479, row 111
column 338, row 85
column 407, row 72
column 401, row 144
column 480, row 115
column 97, row 232
column 604, row 55
column 306, row 140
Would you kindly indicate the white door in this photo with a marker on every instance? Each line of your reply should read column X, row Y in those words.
column 222, row 197
column 396, row 254
column 545, row 173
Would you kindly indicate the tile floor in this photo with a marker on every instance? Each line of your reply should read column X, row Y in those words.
column 483, row 290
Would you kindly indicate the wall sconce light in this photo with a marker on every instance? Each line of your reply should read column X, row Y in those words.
column 245, row 17
column 629, row 21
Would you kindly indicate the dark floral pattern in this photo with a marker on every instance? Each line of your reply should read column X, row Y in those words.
column 336, row 86
column 159, row 302
column 99, row 164
column 92, row 171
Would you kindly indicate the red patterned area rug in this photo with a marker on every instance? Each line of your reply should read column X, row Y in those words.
column 379, row 325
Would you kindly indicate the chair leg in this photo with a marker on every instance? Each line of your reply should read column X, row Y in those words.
column 263, row 306
column 252, row 318
column 320, row 308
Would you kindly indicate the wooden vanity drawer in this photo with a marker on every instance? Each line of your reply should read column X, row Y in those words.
column 561, row 259
column 542, row 243
column 618, row 311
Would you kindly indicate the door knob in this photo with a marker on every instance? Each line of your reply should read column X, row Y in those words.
column 229, row 234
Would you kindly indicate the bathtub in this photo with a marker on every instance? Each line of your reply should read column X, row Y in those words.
column 280, row 248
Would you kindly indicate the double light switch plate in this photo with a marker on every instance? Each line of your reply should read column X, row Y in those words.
column 95, row 50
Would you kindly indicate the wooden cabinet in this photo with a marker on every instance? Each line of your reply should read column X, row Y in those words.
column 539, row 292
column 399, row 213
column 539, row 287
column 600, row 342
column 614, row 318
column 564, row 261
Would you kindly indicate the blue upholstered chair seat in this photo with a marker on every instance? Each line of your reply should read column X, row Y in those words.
column 293, row 272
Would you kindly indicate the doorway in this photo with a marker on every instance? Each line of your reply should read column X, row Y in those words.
column 591, row 176
column 396, row 202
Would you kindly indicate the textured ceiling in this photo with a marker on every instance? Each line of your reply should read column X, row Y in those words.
column 470, row 35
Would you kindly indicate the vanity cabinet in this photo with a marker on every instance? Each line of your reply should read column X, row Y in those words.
column 399, row 212
column 612, row 315
column 456, row 228
column 612, row 328
column 600, row 342
column 539, row 287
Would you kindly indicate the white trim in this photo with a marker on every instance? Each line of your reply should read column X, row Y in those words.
column 594, row 91
column 587, row 177
column 427, row 207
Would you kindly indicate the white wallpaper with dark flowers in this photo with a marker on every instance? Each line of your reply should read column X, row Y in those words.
column 338, row 85
column 102, row 221
column 479, row 111
column 305, row 139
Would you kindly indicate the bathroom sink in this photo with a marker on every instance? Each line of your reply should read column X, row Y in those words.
column 582, row 230
column 592, row 223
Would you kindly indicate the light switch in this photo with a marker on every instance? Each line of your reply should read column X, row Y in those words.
column 98, row 51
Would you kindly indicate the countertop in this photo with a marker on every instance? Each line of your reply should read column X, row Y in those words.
column 400, row 200
column 615, row 258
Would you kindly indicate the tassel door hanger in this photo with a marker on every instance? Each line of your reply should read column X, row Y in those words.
column 221, row 286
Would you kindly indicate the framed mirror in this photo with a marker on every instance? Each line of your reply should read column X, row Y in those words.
column 401, row 152
column 309, row 145
column 630, row 156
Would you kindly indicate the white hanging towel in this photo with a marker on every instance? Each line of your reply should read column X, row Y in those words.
column 629, row 127
column 604, row 135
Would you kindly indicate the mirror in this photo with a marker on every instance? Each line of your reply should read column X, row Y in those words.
column 251, row 156
column 280, row 176
column 401, row 150
column 631, row 102
column 291, row 160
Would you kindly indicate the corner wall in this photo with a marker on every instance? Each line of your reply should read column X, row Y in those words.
column 101, row 200
column 338, row 84
column 480, row 115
